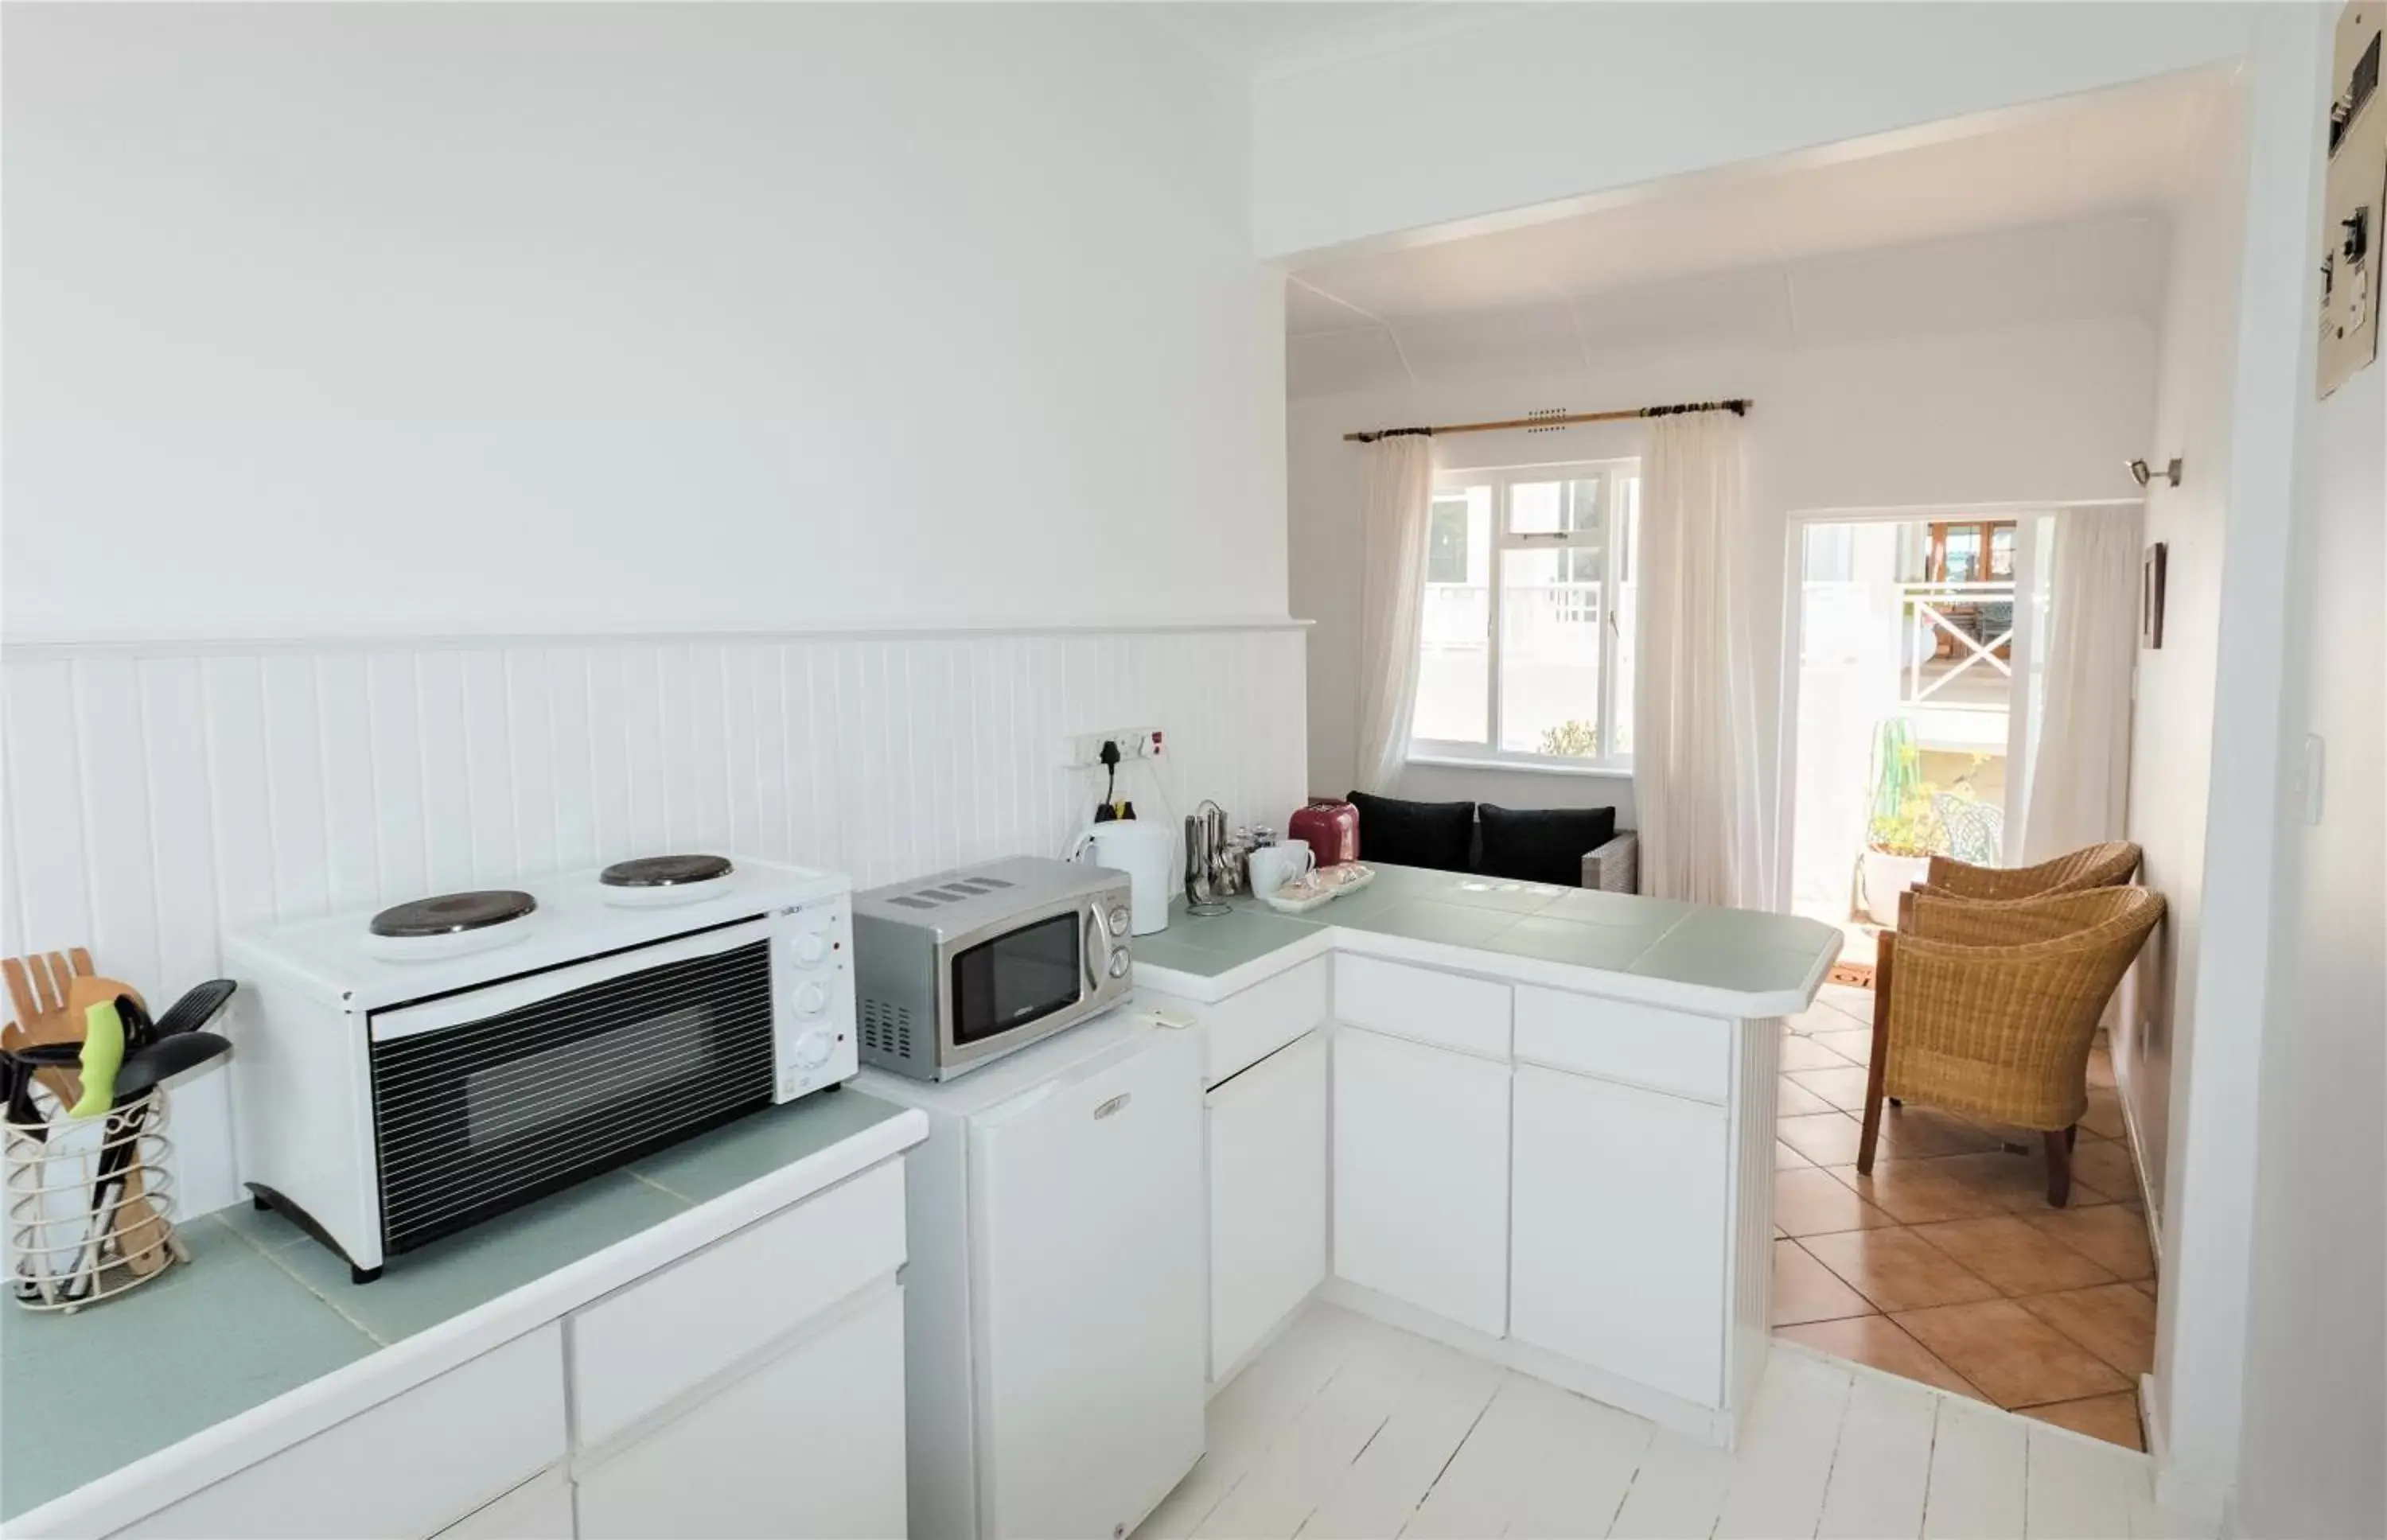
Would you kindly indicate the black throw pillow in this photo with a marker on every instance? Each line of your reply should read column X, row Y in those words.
column 1541, row 845
column 1415, row 834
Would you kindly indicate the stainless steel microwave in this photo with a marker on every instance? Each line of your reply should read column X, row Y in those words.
column 954, row 970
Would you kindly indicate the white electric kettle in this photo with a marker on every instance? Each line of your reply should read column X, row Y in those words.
column 1140, row 849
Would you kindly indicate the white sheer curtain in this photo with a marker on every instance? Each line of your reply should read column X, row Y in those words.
column 2081, row 771
column 1392, row 601
column 1695, row 754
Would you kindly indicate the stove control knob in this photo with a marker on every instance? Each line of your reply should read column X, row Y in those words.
column 811, row 947
column 1118, row 964
column 1119, row 920
column 812, row 1050
column 811, row 1000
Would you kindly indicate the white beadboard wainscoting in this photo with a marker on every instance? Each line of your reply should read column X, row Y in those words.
column 157, row 797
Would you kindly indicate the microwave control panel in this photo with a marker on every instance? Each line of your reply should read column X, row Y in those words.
column 814, row 978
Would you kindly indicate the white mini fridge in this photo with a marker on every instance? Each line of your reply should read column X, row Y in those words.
column 1054, row 1317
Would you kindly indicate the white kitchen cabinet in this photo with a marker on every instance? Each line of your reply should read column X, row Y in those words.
column 640, row 1347
column 1266, row 1138
column 409, row 1467
column 1621, row 1039
column 1448, row 1010
column 809, row 1443
column 1620, row 1227
column 539, row 1508
column 1422, row 1175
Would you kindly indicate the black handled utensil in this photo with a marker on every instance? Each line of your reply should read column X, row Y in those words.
column 196, row 1009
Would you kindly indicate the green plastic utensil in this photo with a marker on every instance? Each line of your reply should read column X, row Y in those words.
column 103, row 1055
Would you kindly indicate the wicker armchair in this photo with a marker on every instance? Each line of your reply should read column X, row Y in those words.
column 2105, row 866
column 1988, row 1010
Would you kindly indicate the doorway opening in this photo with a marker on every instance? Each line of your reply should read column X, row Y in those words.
column 1915, row 706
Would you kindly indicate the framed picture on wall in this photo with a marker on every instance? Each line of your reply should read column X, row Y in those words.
column 2151, row 595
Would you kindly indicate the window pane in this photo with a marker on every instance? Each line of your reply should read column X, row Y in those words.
column 1445, row 539
column 1454, row 689
column 2002, row 552
column 1552, row 627
column 1964, row 553
column 1555, row 506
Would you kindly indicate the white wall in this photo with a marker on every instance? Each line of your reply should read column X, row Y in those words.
column 394, row 320
column 1515, row 106
column 2316, row 1364
column 2197, row 1404
column 158, row 797
column 2172, row 728
column 2035, row 415
column 599, row 361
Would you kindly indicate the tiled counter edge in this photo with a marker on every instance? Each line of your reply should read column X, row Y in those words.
column 135, row 1490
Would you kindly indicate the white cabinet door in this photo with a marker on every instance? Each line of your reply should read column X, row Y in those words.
column 1422, row 1175
column 1086, row 1293
column 1267, row 1197
column 409, row 1467
column 809, row 1445
column 637, row 1348
column 1619, row 1230
column 539, row 1508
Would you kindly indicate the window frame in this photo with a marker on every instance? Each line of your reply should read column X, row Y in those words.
column 1617, row 533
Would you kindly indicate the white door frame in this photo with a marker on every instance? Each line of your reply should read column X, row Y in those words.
column 1785, row 744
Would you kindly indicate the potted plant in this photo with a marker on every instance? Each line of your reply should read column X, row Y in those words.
column 1903, row 833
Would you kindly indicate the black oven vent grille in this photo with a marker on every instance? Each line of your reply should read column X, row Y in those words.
column 475, row 1119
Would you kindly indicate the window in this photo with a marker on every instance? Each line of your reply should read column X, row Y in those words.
column 1528, row 630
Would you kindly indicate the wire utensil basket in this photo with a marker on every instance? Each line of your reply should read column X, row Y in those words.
column 91, row 1204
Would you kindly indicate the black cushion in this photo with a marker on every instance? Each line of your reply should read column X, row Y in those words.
column 1541, row 845
column 1415, row 834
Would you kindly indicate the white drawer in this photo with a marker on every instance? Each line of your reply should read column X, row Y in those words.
column 1246, row 1028
column 1423, row 1004
column 636, row 1350
column 406, row 1468
column 1617, row 1040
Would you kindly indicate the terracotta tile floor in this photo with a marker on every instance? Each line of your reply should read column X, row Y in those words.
column 1946, row 1264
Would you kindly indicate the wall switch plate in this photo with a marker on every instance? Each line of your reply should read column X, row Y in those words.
column 1084, row 751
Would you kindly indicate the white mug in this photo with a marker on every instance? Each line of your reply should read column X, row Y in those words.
column 1274, row 865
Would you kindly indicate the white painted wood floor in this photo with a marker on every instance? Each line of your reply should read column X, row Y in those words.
column 1349, row 1428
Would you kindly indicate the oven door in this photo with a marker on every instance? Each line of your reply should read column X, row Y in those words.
column 1008, row 984
column 492, row 1097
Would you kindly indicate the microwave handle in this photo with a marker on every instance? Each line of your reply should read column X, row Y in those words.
column 1092, row 923
column 497, row 999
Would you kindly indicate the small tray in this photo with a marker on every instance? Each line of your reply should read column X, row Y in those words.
column 1303, row 906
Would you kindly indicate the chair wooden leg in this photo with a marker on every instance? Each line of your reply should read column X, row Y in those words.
column 2072, row 1136
column 2059, row 1167
column 1876, row 1058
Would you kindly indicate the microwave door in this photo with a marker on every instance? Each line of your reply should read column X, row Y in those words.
column 1019, row 976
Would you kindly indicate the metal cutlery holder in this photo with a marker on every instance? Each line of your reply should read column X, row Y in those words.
column 91, row 1204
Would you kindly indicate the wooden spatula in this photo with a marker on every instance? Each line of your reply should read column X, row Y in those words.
column 39, row 989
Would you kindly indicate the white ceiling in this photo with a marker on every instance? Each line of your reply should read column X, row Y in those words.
column 2058, row 216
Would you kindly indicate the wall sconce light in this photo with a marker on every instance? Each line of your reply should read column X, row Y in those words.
column 2141, row 473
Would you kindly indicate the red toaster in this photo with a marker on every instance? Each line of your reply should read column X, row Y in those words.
column 1329, row 828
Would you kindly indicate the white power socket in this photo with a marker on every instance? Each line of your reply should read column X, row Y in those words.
column 1085, row 749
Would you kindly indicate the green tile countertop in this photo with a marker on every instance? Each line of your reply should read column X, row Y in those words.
column 261, row 1309
column 1734, row 962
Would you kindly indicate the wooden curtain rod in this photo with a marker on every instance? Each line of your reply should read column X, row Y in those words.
column 1738, row 408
